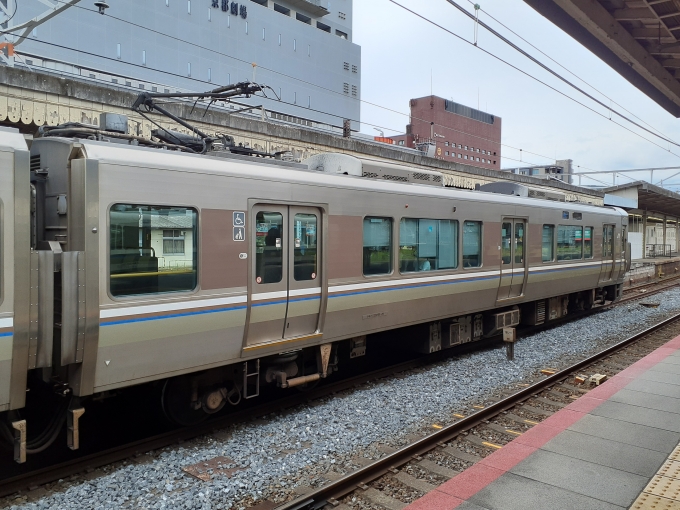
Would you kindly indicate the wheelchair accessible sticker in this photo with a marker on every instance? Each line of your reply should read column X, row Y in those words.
column 239, row 226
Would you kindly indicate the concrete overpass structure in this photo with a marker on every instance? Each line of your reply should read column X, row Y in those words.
column 640, row 39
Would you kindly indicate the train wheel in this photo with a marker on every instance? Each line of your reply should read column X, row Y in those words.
column 176, row 403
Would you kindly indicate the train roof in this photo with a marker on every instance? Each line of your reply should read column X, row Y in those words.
column 12, row 140
column 243, row 167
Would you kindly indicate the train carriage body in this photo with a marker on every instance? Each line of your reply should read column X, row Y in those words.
column 217, row 273
column 15, row 354
column 195, row 262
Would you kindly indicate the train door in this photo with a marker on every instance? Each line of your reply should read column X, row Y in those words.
column 608, row 253
column 513, row 258
column 285, row 291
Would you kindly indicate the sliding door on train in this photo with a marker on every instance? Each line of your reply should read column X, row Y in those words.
column 513, row 258
column 608, row 252
column 285, row 291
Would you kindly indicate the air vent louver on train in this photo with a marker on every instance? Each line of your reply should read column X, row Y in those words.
column 345, row 164
column 35, row 162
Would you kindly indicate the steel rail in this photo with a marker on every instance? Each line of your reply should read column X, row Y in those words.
column 335, row 490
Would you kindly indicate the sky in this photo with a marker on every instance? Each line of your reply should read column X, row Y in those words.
column 404, row 57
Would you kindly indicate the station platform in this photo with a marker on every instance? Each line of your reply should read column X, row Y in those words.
column 651, row 270
column 615, row 447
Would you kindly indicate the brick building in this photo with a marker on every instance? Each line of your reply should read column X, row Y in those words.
column 461, row 134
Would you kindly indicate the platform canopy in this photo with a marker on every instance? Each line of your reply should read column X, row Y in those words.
column 640, row 196
column 640, row 39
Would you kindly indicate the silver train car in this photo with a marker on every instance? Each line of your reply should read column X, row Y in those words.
column 219, row 273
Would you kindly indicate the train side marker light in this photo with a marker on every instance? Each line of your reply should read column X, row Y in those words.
column 491, row 445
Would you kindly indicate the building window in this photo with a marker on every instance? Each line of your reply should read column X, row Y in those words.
column 188, row 6
column 188, row 68
column 138, row 235
column 377, row 254
column 294, row 44
column 173, row 242
column 246, row 27
column 466, row 147
column 340, row 34
column 465, row 157
column 303, row 18
column 167, row 3
column 144, row 57
column 309, row 50
column 309, row 101
column 279, row 39
column 446, row 144
column 477, row 159
column 401, row 142
column 209, row 74
column 228, row 21
column 264, row 35
column 427, row 245
column 283, row 10
column 118, row 50
column 323, row 27
column 294, row 97
column 209, row 15
column 472, row 244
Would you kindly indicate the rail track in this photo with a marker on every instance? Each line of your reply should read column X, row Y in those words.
column 422, row 465
column 88, row 463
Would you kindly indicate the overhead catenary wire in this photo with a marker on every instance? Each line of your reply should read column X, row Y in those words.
column 542, row 82
column 339, row 93
column 199, row 46
column 567, row 69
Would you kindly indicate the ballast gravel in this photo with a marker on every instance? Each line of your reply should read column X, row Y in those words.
column 284, row 452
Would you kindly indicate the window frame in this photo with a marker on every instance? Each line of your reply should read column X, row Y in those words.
column 437, row 271
column 151, row 297
column 391, row 250
column 481, row 244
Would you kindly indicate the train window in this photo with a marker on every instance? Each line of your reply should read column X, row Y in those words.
column 588, row 242
column 569, row 242
column 472, row 244
column 427, row 245
column 304, row 263
column 548, row 247
column 377, row 245
column 506, row 238
column 269, row 247
column 607, row 241
column 141, row 238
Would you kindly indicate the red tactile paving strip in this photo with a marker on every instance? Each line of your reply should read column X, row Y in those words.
column 451, row 494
